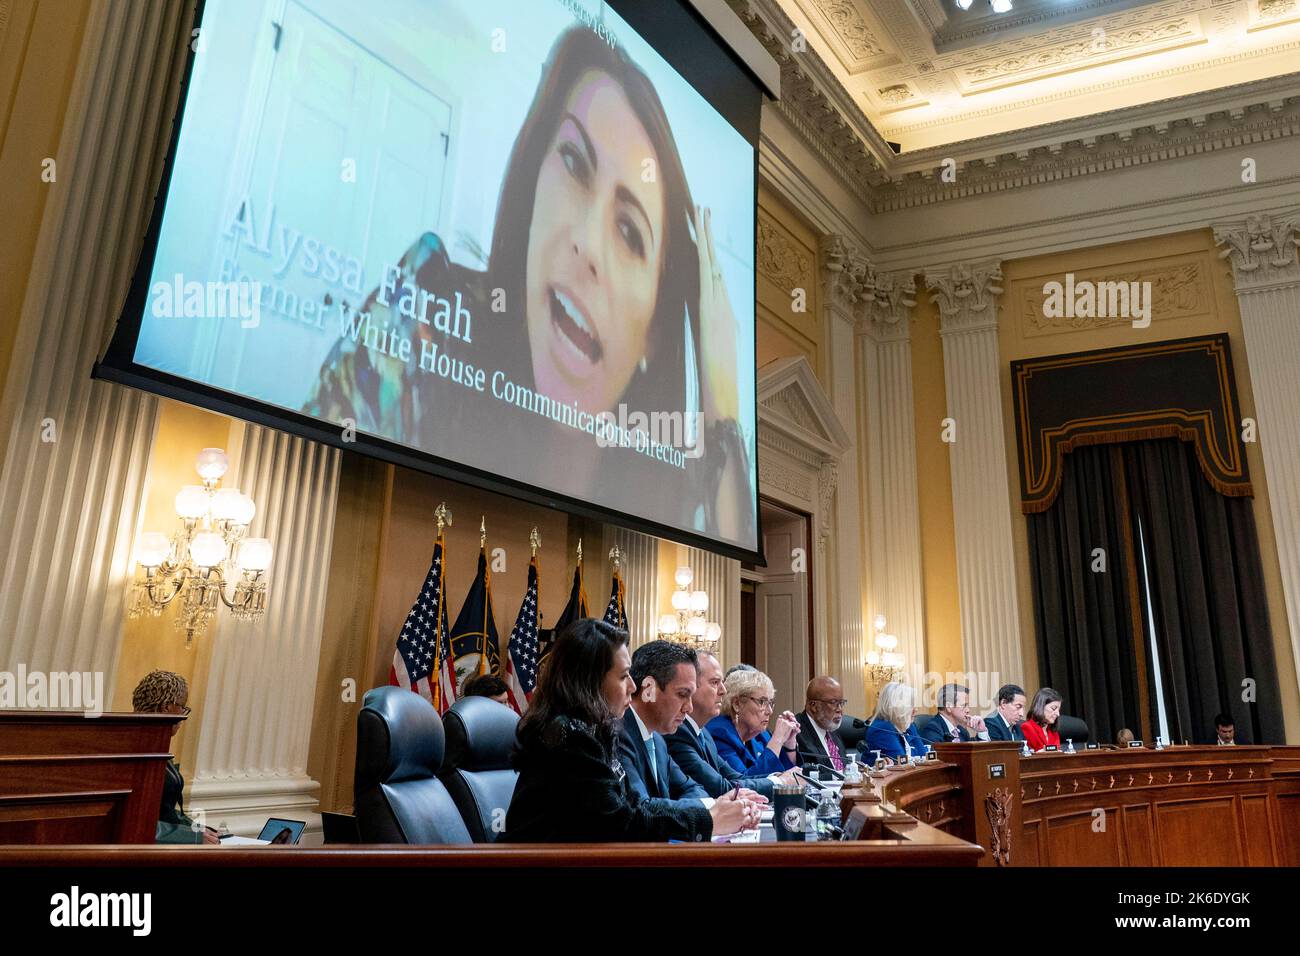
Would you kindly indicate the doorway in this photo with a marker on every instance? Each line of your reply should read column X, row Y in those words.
column 776, row 635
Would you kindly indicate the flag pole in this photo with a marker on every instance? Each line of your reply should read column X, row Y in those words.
column 487, row 583
column 443, row 517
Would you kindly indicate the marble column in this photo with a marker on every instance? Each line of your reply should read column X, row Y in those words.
column 261, row 685
column 1262, row 251
column 893, row 517
column 967, row 296
column 76, row 451
column 846, row 280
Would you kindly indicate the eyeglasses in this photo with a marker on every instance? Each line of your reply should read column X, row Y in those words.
column 764, row 703
column 833, row 704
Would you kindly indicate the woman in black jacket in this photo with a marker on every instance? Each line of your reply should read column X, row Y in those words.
column 572, row 788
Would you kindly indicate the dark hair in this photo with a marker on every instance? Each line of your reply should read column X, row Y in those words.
column 484, row 685
column 577, row 52
column 948, row 694
column 1224, row 720
column 1037, row 710
column 1007, row 693
column 570, row 679
column 660, row 660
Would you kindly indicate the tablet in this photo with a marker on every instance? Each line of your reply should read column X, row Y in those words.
column 282, row 831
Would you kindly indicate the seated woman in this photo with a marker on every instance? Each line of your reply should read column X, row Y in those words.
column 1039, row 727
column 740, row 731
column 892, row 733
column 162, row 692
column 571, row 787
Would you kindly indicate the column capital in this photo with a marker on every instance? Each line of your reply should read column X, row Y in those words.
column 966, row 294
column 1262, row 250
column 846, row 274
column 888, row 307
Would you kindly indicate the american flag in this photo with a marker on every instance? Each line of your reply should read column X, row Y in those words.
column 525, row 651
column 422, row 661
column 615, row 613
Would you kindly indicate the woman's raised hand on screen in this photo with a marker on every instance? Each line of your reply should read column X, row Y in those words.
column 717, row 328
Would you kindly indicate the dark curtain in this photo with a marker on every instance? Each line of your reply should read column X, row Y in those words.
column 1084, row 618
column 1207, row 597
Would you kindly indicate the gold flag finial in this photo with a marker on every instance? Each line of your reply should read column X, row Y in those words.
column 580, row 551
column 616, row 555
column 534, row 540
column 482, row 531
column 442, row 516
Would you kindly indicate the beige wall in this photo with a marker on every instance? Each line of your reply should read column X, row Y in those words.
column 39, row 47
column 1193, row 295
column 943, row 652
column 787, row 260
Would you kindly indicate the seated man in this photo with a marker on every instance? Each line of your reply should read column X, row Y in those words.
column 162, row 692
column 692, row 746
column 486, row 685
column 664, row 674
column 1004, row 723
column 819, row 739
column 1225, row 732
column 954, row 722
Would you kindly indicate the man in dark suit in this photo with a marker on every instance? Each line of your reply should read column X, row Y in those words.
column 665, row 677
column 1225, row 731
column 1004, row 723
column 954, row 722
column 692, row 746
column 819, row 738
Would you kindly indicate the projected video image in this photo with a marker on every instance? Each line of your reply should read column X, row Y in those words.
column 504, row 233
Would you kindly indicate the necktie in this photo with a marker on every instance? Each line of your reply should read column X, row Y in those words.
column 956, row 734
column 834, row 752
column 654, row 769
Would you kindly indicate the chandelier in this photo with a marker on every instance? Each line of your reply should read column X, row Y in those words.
column 209, row 550
column 883, row 663
column 687, row 624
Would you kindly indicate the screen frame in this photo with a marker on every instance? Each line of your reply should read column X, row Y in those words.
column 116, row 363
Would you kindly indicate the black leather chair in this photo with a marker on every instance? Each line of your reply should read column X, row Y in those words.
column 397, row 794
column 476, row 770
column 921, row 720
column 1072, row 728
column 852, row 732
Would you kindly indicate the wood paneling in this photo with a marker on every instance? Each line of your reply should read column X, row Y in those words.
column 66, row 778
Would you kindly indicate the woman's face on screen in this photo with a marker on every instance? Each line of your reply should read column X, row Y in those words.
column 595, row 248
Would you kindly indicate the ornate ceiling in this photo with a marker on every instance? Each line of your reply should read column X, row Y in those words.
column 925, row 73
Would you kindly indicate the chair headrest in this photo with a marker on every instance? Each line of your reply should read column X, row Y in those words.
column 480, row 735
column 1072, row 728
column 399, row 737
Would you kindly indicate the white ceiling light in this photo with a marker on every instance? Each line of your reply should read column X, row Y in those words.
column 1000, row 6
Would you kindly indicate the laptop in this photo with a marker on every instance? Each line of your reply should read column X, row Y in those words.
column 340, row 827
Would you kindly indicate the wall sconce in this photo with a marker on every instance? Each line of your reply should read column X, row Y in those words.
column 883, row 663
column 209, row 549
column 687, row 624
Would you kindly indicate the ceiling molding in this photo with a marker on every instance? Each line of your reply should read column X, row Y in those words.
column 827, row 119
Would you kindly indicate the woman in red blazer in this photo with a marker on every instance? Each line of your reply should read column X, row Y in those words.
column 1039, row 727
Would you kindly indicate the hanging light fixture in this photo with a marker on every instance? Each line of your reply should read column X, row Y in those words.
column 210, row 548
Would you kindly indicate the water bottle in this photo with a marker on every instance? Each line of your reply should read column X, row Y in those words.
column 828, row 815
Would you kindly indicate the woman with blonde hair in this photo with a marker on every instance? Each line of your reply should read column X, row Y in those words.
column 892, row 732
column 741, row 733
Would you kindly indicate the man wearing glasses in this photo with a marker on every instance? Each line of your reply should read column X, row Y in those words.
column 819, row 738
